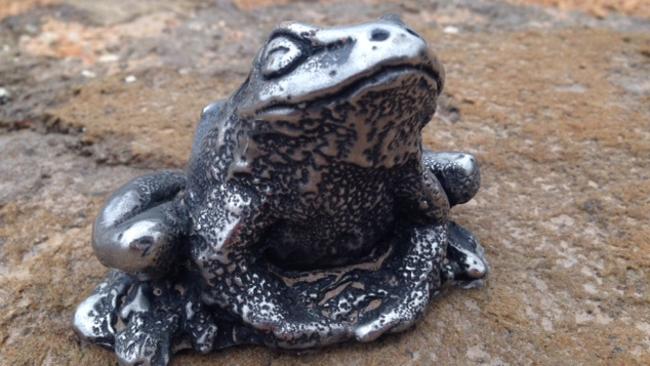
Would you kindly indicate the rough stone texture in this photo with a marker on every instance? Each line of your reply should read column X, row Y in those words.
column 598, row 8
column 555, row 105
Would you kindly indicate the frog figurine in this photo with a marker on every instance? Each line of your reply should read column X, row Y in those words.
column 309, row 213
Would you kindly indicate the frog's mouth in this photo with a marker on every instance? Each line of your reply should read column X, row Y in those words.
column 384, row 76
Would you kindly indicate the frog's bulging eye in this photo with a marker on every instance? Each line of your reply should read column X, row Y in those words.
column 280, row 56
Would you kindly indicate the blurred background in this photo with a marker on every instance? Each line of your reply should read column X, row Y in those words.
column 552, row 96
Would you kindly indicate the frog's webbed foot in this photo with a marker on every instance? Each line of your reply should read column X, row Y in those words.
column 147, row 340
column 145, row 322
column 458, row 174
column 466, row 258
column 95, row 318
column 160, row 318
column 139, row 228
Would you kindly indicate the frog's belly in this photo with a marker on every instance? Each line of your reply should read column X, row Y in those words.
column 327, row 242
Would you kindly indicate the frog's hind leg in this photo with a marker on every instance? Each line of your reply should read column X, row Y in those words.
column 465, row 254
column 406, row 283
column 137, row 232
column 139, row 228
column 458, row 174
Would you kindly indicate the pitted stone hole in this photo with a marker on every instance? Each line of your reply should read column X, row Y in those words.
column 378, row 35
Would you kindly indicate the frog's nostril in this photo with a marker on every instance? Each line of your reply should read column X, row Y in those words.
column 379, row 34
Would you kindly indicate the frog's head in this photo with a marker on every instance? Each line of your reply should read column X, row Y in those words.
column 363, row 91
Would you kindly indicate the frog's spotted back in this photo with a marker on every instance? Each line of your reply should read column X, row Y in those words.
column 309, row 213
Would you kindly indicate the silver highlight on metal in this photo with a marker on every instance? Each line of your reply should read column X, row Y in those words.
column 309, row 213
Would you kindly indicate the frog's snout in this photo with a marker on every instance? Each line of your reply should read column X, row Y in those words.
column 391, row 36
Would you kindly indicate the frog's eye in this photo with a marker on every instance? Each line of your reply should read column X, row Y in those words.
column 280, row 55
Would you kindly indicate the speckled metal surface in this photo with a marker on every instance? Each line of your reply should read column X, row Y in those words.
column 309, row 213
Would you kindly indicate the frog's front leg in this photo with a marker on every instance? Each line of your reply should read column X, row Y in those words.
column 458, row 173
column 460, row 177
column 139, row 228
column 240, row 280
column 421, row 197
column 426, row 197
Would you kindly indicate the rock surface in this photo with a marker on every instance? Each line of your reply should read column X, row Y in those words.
column 555, row 105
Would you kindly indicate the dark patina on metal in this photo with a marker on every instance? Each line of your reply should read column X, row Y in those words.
column 309, row 213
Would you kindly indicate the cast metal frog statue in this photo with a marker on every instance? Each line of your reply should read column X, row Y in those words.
column 309, row 213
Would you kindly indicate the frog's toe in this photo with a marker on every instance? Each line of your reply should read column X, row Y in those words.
column 397, row 315
column 458, row 173
column 95, row 318
column 466, row 258
column 146, row 341
column 373, row 330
